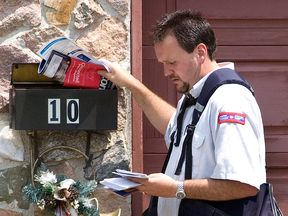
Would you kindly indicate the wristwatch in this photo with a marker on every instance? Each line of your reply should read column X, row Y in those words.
column 180, row 193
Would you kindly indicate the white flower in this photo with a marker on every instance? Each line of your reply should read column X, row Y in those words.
column 66, row 184
column 41, row 204
column 75, row 204
column 46, row 178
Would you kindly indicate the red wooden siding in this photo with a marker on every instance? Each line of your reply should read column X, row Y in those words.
column 137, row 115
column 252, row 34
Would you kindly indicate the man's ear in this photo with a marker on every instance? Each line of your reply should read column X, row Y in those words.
column 202, row 52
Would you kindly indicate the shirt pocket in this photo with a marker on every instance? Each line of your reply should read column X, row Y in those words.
column 197, row 146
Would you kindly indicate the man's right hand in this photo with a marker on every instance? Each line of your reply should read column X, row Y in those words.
column 118, row 75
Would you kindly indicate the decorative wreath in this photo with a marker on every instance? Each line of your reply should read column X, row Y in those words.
column 60, row 195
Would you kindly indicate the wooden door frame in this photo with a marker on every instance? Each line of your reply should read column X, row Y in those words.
column 137, row 114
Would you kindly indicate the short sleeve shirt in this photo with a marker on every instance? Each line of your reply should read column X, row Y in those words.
column 221, row 148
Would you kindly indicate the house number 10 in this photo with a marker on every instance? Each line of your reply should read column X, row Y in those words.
column 54, row 111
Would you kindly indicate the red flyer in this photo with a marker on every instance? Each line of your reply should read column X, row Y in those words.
column 83, row 75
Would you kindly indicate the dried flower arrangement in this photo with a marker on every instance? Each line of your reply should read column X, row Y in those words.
column 61, row 196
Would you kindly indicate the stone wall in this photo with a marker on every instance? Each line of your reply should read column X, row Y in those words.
column 102, row 27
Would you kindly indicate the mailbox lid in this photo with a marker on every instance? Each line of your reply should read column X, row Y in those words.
column 27, row 73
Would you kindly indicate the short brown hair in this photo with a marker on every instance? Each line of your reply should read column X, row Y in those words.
column 189, row 28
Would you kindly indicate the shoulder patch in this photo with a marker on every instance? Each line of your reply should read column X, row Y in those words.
column 231, row 117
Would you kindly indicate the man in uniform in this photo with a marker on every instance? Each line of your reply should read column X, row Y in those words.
column 228, row 155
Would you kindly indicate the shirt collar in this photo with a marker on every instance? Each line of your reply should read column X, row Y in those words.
column 197, row 88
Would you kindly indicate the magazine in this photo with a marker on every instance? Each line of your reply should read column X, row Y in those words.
column 69, row 64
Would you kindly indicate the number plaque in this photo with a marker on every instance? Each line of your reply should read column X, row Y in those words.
column 71, row 109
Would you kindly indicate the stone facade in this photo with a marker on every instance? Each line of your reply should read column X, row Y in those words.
column 102, row 28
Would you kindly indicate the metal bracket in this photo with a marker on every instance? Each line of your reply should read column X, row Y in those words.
column 34, row 143
column 88, row 144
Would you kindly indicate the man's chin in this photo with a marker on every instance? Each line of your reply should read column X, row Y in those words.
column 182, row 89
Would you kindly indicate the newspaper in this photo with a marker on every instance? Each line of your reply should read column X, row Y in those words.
column 121, row 185
column 69, row 64
column 125, row 173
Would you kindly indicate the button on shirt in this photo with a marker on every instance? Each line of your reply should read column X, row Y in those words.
column 224, row 150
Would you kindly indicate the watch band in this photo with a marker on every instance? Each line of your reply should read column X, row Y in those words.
column 180, row 186
column 180, row 193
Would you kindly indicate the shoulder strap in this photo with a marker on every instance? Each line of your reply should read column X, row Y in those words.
column 215, row 80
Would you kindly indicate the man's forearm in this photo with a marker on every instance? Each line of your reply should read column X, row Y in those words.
column 217, row 189
column 155, row 108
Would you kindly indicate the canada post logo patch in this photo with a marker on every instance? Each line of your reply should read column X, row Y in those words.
column 231, row 117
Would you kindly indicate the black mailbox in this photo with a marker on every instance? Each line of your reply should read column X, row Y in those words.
column 40, row 103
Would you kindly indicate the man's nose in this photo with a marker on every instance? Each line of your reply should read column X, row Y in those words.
column 167, row 70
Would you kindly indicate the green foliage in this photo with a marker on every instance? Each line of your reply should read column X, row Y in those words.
column 41, row 168
column 32, row 194
column 48, row 189
column 61, row 177
column 92, row 211
column 86, row 189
